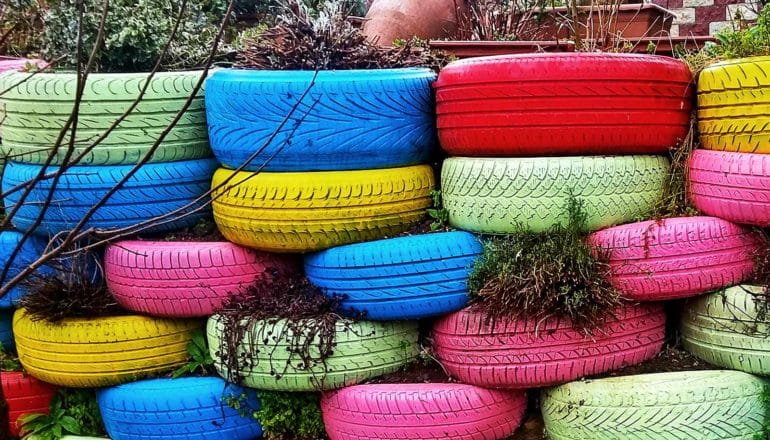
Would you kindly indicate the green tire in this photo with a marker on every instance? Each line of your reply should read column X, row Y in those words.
column 697, row 405
column 37, row 107
column 730, row 329
column 363, row 350
column 506, row 195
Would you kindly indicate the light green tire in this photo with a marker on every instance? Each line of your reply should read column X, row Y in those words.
column 37, row 107
column 730, row 329
column 505, row 195
column 363, row 350
column 696, row 405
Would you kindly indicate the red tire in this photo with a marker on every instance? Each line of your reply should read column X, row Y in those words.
column 25, row 395
column 520, row 354
column 677, row 257
column 563, row 104
column 732, row 186
column 421, row 411
column 182, row 280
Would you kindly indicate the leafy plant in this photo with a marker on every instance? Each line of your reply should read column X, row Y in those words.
column 72, row 411
column 295, row 414
column 135, row 33
column 438, row 213
column 541, row 275
column 751, row 41
column 21, row 22
column 200, row 358
column 9, row 362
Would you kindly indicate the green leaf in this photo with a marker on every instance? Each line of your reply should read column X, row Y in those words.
column 70, row 424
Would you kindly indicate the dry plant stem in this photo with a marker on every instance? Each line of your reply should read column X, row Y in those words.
column 73, row 235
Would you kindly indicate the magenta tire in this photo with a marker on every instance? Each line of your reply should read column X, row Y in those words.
column 182, row 279
column 422, row 411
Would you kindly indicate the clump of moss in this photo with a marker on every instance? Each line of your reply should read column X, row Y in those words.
column 536, row 276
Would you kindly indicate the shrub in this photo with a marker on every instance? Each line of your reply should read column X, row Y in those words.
column 295, row 414
column 752, row 41
column 135, row 33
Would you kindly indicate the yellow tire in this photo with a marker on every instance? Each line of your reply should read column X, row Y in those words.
column 734, row 105
column 97, row 352
column 301, row 212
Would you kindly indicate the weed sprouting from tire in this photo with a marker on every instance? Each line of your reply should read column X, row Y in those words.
column 300, row 318
column 674, row 201
column 543, row 275
column 76, row 289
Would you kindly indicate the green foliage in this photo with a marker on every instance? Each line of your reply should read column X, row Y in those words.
column 135, row 33
column 20, row 26
column 540, row 275
column 752, row 41
column 73, row 412
column 8, row 362
column 438, row 213
column 200, row 357
column 260, row 7
column 295, row 414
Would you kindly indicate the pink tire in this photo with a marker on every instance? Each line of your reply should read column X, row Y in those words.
column 421, row 411
column 520, row 354
column 731, row 186
column 182, row 279
column 677, row 257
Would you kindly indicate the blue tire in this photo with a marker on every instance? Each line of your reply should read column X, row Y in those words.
column 29, row 252
column 189, row 408
column 350, row 120
column 155, row 189
column 412, row 277
column 6, row 331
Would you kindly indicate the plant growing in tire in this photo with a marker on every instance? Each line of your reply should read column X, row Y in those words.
column 284, row 334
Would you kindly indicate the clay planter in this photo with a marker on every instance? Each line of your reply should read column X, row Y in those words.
column 468, row 49
column 631, row 21
column 389, row 20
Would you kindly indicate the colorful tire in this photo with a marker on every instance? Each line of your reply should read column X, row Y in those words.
column 706, row 405
column 421, row 411
column 729, row 329
column 501, row 196
column 154, row 190
column 302, row 212
column 563, row 104
column 7, row 342
column 179, row 409
column 521, row 354
column 28, row 253
column 733, row 100
column 677, row 257
column 24, row 395
column 348, row 120
column 363, row 350
column 731, row 186
column 402, row 278
column 98, row 352
column 183, row 280
column 38, row 105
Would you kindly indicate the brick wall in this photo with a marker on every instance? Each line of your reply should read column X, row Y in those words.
column 705, row 17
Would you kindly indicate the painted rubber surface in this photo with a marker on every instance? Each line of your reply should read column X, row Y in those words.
column 708, row 405
column 363, row 350
column 185, row 280
column 728, row 328
column 7, row 342
column 732, row 105
column 421, row 411
column 29, row 252
column 37, row 109
column 303, row 212
column 563, row 104
column 25, row 395
column 677, row 257
column 178, row 409
column 349, row 120
column 97, row 352
column 732, row 186
column 154, row 190
column 400, row 278
column 512, row 354
column 504, row 195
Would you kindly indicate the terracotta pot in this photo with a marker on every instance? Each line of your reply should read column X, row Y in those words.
column 389, row 20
